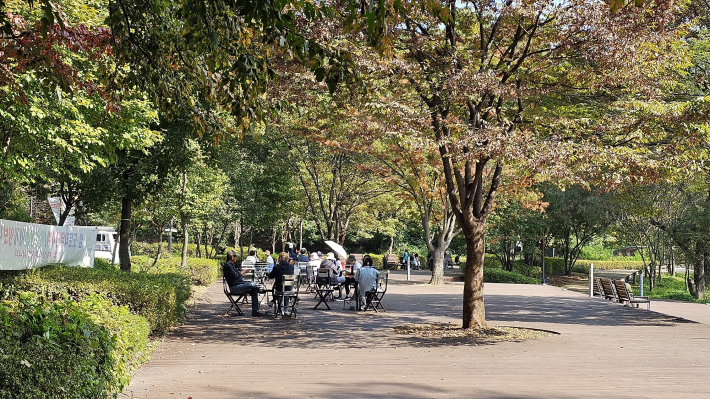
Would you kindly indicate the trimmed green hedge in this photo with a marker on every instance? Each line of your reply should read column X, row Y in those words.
column 501, row 276
column 160, row 298
column 149, row 249
column 66, row 349
column 201, row 271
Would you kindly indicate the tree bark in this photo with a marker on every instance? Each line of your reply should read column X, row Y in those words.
column 183, row 223
column 160, row 247
column 437, row 273
column 124, row 255
column 198, row 242
column 699, row 270
column 474, row 311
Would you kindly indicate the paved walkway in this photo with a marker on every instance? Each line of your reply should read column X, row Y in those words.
column 602, row 350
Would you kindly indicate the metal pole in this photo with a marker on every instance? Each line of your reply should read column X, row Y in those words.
column 408, row 275
column 591, row 280
column 641, row 283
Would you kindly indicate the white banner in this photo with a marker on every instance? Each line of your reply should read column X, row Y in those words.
column 58, row 207
column 29, row 245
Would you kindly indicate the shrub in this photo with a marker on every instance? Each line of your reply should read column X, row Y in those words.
column 102, row 264
column 149, row 249
column 378, row 261
column 66, row 349
column 201, row 271
column 502, row 276
column 160, row 298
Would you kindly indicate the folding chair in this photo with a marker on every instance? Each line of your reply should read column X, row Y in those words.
column 323, row 287
column 230, row 296
column 374, row 301
column 311, row 272
column 288, row 294
column 258, row 279
column 302, row 270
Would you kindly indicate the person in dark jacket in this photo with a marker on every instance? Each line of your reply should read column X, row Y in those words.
column 237, row 285
column 303, row 257
column 283, row 268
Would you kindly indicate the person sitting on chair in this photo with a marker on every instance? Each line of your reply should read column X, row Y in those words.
column 269, row 261
column 350, row 278
column 285, row 267
column 252, row 257
column 303, row 257
column 366, row 279
column 237, row 285
column 335, row 279
column 367, row 260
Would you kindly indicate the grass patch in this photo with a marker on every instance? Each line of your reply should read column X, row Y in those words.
column 669, row 288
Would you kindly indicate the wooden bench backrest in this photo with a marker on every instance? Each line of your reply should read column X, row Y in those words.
column 608, row 288
column 621, row 291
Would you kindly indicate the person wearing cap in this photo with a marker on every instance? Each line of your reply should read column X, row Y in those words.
column 237, row 285
column 354, row 266
column 335, row 278
column 302, row 257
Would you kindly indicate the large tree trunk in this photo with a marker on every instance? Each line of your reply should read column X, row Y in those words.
column 474, row 311
column 124, row 255
column 437, row 273
column 699, row 270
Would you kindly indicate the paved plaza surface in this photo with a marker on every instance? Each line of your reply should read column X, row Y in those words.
column 603, row 349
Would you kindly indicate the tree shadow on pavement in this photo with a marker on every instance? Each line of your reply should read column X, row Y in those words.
column 338, row 328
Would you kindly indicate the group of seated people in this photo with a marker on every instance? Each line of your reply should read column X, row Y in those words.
column 353, row 273
column 237, row 285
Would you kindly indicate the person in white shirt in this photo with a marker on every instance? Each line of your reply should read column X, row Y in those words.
column 252, row 257
column 269, row 260
column 366, row 278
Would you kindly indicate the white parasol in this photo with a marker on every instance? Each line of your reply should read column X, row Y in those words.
column 337, row 248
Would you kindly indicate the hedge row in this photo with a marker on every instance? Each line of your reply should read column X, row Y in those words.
column 149, row 249
column 501, row 276
column 200, row 270
column 160, row 298
column 68, row 349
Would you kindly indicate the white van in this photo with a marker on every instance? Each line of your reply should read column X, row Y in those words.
column 106, row 238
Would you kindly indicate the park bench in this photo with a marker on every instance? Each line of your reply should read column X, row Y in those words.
column 597, row 289
column 608, row 291
column 625, row 296
column 390, row 261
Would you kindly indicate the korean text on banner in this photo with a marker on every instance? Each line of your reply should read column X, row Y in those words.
column 29, row 245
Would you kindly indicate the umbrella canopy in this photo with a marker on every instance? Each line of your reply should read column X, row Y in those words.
column 337, row 248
